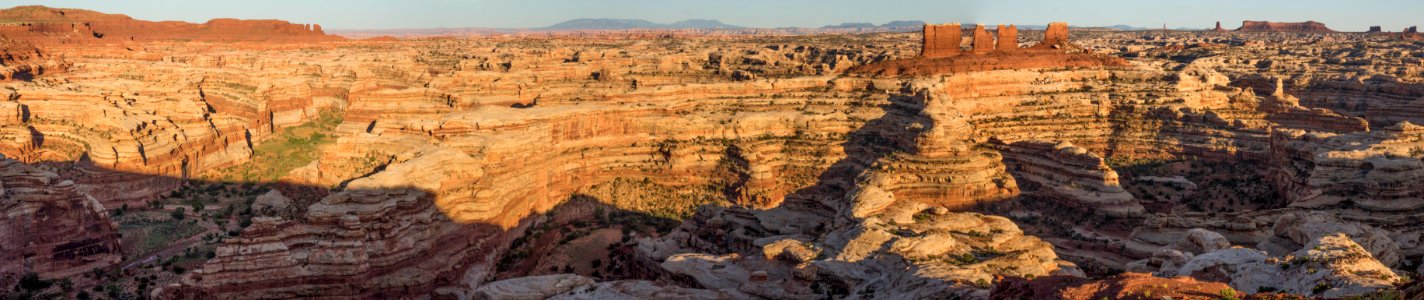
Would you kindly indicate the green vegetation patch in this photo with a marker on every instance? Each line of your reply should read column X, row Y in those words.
column 144, row 237
column 655, row 200
column 290, row 148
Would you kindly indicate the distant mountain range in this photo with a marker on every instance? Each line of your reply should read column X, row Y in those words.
column 616, row 24
column 891, row 25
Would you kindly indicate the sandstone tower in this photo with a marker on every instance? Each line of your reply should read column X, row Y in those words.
column 1055, row 37
column 1008, row 38
column 983, row 42
column 941, row 40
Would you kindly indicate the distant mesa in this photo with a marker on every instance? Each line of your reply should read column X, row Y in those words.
column 1218, row 27
column 621, row 24
column 1299, row 27
column 47, row 25
column 1375, row 29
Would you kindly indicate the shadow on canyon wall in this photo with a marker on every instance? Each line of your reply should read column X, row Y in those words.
column 880, row 138
column 406, row 233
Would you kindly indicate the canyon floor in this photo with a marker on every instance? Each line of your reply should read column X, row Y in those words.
column 202, row 164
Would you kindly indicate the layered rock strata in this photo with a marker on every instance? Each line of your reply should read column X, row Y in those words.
column 49, row 227
column 1374, row 171
column 1071, row 173
column 1330, row 266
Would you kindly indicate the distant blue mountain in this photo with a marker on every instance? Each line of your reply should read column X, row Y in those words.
column 616, row 24
column 903, row 24
column 890, row 25
column 849, row 26
column 703, row 24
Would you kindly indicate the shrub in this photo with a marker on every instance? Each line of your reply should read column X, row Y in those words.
column 31, row 281
column 1228, row 294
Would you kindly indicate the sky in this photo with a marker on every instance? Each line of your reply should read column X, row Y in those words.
column 1393, row 15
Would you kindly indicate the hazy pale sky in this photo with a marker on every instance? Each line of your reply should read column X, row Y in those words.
column 1394, row 15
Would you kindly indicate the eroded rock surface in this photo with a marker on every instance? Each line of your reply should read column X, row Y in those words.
column 49, row 227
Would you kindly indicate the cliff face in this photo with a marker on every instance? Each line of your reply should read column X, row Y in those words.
column 23, row 61
column 1298, row 27
column 1071, row 174
column 1318, row 169
column 49, row 227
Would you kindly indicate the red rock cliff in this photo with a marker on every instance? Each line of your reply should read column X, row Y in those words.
column 50, row 25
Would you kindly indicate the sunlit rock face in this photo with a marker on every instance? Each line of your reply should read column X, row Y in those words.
column 1331, row 265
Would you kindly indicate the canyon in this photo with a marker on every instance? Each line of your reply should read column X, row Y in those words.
column 240, row 159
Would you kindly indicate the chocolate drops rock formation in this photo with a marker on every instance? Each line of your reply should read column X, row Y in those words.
column 264, row 160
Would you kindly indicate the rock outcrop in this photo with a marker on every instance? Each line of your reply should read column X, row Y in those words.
column 22, row 61
column 1331, row 266
column 1123, row 286
column 1069, row 173
column 362, row 252
column 533, row 287
column 1374, row 170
